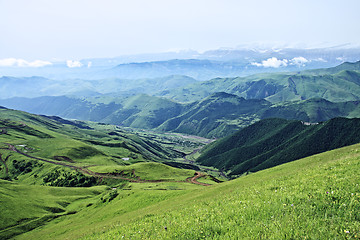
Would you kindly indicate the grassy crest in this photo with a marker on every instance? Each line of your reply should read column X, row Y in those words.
column 316, row 197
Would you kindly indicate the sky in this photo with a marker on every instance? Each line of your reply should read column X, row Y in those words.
column 49, row 30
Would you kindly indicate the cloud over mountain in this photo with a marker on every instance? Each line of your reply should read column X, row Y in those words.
column 73, row 64
column 300, row 61
column 13, row 62
column 273, row 62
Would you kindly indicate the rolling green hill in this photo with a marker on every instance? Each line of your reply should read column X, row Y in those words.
column 39, row 153
column 32, row 146
column 217, row 115
column 143, row 111
column 271, row 142
column 313, row 198
column 55, row 164
column 136, row 111
column 337, row 84
column 222, row 114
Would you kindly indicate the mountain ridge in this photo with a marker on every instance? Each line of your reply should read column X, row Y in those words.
column 334, row 84
column 271, row 142
column 217, row 115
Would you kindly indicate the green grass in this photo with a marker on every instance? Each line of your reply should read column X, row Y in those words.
column 103, row 145
column 132, row 202
column 313, row 198
column 148, row 171
column 24, row 207
column 316, row 197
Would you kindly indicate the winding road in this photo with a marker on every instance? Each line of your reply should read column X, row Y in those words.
column 105, row 175
column 194, row 179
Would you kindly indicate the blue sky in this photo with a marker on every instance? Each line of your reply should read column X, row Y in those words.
column 77, row 29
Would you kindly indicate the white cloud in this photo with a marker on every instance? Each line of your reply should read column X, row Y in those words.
column 13, row 62
column 276, row 63
column 73, row 64
column 39, row 63
column 7, row 62
column 299, row 61
column 272, row 62
column 319, row 60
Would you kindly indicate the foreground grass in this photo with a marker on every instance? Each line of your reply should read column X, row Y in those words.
column 99, row 213
column 25, row 207
column 316, row 197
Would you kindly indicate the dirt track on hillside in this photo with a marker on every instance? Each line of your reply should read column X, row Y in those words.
column 194, row 179
column 106, row 175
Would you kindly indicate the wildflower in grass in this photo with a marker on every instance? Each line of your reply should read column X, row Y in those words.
column 346, row 231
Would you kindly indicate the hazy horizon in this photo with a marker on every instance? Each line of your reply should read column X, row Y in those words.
column 73, row 30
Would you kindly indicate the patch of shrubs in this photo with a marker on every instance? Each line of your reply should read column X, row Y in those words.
column 59, row 178
column 110, row 196
column 23, row 166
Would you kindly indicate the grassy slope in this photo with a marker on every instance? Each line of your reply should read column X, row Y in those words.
column 272, row 142
column 105, row 144
column 211, row 116
column 135, row 200
column 143, row 111
column 222, row 114
column 316, row 197
column 46, row 138
column 312, row 110
column 24, row 207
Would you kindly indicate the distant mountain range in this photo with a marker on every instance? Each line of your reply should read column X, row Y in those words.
column 40, row 86
column 213, row 108
column 340, row 83
column 201, row 66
